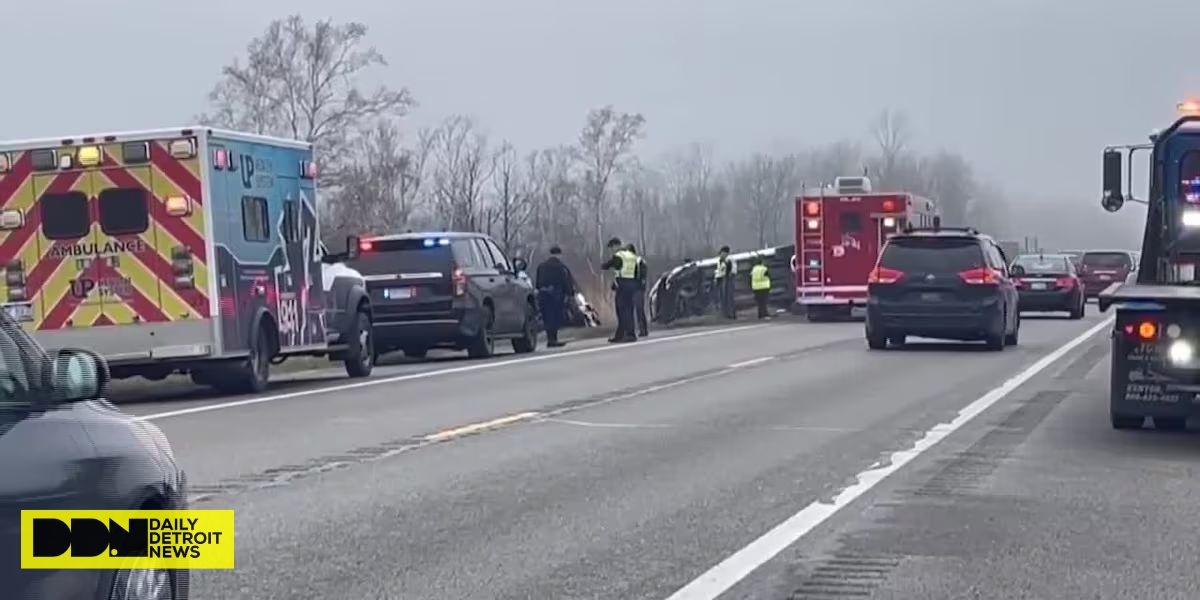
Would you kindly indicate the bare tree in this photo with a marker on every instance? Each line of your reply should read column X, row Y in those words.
column 950, row 182
column 605, row 142
column 301, row 82
column 892, row 135
column 461, row 166
column 513, row 204
column 553, row 196
column 699, row 197
column 762, row 184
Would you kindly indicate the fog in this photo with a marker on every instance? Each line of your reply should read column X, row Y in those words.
column 1028, row 90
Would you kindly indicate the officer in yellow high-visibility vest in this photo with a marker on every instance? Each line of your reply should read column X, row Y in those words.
column 760, row 284
column 624, row 265
column 723, row 275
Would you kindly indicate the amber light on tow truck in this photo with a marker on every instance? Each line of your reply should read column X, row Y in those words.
column 1146, row 330
column 1189, row 108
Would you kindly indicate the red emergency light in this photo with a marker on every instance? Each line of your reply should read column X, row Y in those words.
column 364, row 245
column 812, row 208
column 889, row 205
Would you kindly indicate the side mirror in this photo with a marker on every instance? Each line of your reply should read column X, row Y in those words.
column 353, row 247
column 1113, row 198
column 520, row 265
column 78, row 375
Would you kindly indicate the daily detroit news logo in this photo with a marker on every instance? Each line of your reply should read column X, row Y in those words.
column 127, row 539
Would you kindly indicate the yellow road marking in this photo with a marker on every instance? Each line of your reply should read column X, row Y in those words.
column 450, row 434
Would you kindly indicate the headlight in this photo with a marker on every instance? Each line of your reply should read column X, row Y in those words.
column 1180, row 352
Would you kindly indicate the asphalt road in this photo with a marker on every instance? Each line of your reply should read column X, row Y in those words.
column 627, row 472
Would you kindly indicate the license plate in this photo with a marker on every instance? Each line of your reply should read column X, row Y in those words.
column 403, row 293
column 1105, row 277
column 931, row 296
column 19, row 312
column 1038, row 286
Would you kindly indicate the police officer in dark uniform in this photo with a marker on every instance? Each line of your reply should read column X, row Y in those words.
column 639, row 298
column 624, row 266
column 555, row 285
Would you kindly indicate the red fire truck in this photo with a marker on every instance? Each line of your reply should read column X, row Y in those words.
column 839, row 233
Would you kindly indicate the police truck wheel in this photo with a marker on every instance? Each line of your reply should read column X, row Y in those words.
column 1126, row 421
column 360, row 357
column 529, row 336
column 483, row 345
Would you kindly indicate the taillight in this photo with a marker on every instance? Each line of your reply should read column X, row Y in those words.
column 1143, row 330
column 884, row 275
column 460, row 282
column 981, row 276
column 182, row 268
column 1065, row 282
column 14, row 277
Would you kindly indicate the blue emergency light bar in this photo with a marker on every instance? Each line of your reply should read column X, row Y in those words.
column 430, row 242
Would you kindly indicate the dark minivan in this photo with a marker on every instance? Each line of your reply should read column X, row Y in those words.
column 1100, row 269
column 446, row 290
column 942, row 283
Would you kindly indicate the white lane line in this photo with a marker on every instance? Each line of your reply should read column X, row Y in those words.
column 436, row 373
column 737, row 566
column 610, row 425
column 751, row 362
column 448, row 434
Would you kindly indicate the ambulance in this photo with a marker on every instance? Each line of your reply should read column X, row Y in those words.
column 189, row 250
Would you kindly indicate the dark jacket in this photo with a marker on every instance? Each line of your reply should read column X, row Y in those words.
column 641, row 273
column 554, row 275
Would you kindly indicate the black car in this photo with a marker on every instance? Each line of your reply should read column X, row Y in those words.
column 64, row 448
column 446, row 290
column 942, row 283
column 1048, row 283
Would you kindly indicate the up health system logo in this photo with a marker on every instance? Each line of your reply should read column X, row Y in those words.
column 127, row 539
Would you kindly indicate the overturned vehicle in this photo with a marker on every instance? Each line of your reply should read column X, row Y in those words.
column 687, row 290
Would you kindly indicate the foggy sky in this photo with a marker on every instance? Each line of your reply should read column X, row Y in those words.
column 1029, row 90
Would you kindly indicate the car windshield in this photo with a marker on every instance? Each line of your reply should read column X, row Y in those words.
column 932, row 255
column 1048, row 265
column 1109, row 260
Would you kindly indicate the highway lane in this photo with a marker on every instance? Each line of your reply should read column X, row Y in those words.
column 1043, row 499
column 618, row 474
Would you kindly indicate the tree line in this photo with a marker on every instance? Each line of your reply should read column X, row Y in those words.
column 304, row 81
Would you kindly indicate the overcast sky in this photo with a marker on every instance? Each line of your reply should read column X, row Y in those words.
column 1029, row 90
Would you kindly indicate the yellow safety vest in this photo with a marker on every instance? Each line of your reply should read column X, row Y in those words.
column 722, row 265
column 629, row 263
column 759, row 280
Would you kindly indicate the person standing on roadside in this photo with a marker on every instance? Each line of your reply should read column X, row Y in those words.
column 624, row 266
column 555, row 285
column 639, row 297
column 723, row 281
column 760, row 284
